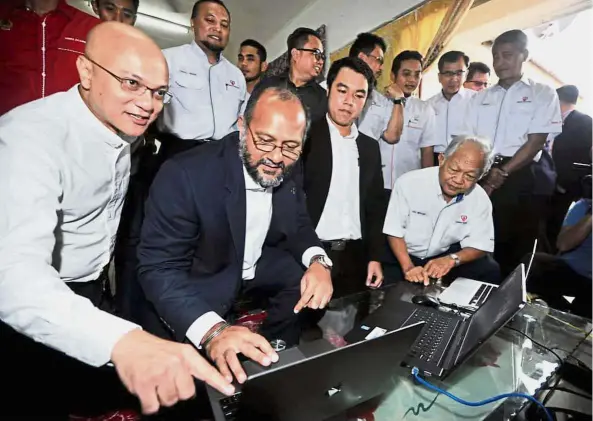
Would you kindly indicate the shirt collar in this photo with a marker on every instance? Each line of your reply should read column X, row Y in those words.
column 333, row 130
column 566, row 114
column 524, row 79
column 84, row 116
column 251, row 185
column 202, row 55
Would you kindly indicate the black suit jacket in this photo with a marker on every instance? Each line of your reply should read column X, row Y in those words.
column 572, row 145
column 316, row 178
column 193, row 237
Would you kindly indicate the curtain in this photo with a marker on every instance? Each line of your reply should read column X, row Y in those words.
column 281, row 64
column 451, row 21
column 413, row 31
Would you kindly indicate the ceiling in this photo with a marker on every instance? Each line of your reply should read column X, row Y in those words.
column 167, row 21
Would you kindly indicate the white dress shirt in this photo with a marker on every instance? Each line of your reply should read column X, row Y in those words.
column 340, row 219
column 257, row 223
column 449, row 116
column 418, row 132
column 375, row 117
column 419, row 214
column 63, row 179
column 507, row 116
column 207, row 99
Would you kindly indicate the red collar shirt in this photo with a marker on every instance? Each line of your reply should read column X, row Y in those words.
column 38, row 53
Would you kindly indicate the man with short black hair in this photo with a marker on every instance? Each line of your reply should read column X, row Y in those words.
column 343, row 183
column 517, row 114
column 252, row 63
column 478, row 76
column 451, row 102
column 123, row 11
column 208, row 90
column 307, row 57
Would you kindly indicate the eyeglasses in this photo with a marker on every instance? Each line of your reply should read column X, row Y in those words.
column 478, row 83
column 379, row 60
column 458, row 73
column 290, row 152
column 135, row 87
column 317, row 53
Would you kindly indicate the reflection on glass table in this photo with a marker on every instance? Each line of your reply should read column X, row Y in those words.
column 508, row 362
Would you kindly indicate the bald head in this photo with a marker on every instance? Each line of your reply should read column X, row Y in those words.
column 118, row 49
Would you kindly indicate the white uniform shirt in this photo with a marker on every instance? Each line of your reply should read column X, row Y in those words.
column 257, row 223
column 507, row 116
column 376, row 115
column 418, row 132
column 340, row 219
column 207, row 99
column 449, row 116
column 419, row 214
column 63, row 180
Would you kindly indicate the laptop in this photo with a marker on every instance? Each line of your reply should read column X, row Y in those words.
column 470, row 293
column 449, row 339
column 317, row 388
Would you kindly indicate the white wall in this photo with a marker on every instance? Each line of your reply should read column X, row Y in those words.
column 344, row 19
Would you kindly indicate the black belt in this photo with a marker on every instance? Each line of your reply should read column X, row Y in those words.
column 337, row 245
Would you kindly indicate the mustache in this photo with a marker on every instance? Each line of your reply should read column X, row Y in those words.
column 270, row 163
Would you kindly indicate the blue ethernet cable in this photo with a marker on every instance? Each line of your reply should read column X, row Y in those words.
column 480, row 403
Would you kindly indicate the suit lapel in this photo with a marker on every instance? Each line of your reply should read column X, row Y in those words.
column 319, row 167
column 363, row 173
column 236, row 207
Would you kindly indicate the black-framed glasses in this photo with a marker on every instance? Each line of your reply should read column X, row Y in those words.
column 136, row 87
column 478, row 83
column 379, row 60
column 290, row 152
column 317, row 53
column 458, row 73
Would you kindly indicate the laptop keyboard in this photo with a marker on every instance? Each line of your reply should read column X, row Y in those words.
column 435, row 336
column 230, row 406
column 481, row 295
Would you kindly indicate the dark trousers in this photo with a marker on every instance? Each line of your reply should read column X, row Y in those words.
column 349, row 271
column 551, row 278
column 517, row 215
column 42, row 383
column 484, row 269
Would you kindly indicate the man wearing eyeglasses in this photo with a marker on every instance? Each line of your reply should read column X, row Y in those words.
column 226, row 220
column 40, row 41
column 123, row 11
column 307, row 57
column 208, row 90
column 478, row 76
column 64, row 169
column 450, row 104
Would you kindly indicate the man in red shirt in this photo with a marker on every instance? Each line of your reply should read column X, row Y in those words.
column 39, row 43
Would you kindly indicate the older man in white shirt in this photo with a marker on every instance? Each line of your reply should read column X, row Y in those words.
column 517, row 115
column 450, row 104
column 208, row 90
column 64, row 169
column 445, row 230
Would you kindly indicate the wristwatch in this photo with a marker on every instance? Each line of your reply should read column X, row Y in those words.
column 399, row 101
column 322, row 260
column 455, row 259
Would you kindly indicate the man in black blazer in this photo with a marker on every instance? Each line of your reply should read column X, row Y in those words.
column 572, row 145
column 343, row 182
column 224, row 219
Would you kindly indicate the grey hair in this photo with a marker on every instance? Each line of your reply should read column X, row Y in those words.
column 484, row 145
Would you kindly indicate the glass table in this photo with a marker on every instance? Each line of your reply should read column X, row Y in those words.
column 508, row 362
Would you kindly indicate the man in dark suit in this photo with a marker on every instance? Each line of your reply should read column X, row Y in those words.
column 343, row 182
column 224, row 219
column 572, row 145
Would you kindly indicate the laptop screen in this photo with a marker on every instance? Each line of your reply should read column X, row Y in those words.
column 503, row 304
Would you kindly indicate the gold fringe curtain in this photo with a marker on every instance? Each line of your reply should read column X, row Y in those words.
column 417, row 30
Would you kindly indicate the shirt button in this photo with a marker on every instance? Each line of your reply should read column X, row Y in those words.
column 43, row 74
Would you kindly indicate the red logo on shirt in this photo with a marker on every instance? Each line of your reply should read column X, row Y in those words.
column 463, row 218
column 525, row 98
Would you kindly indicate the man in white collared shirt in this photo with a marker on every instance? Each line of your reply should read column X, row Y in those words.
column 517, row 114
column 64, row 169
column 343, row 183
column 450, row 103
column 439, row 220
column 414, row 149
column 208, row 90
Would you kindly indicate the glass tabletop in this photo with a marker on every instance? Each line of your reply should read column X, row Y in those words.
column 508, row 362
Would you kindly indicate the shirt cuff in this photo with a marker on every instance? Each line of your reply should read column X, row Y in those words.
column 201, row 326
column 310, row 252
